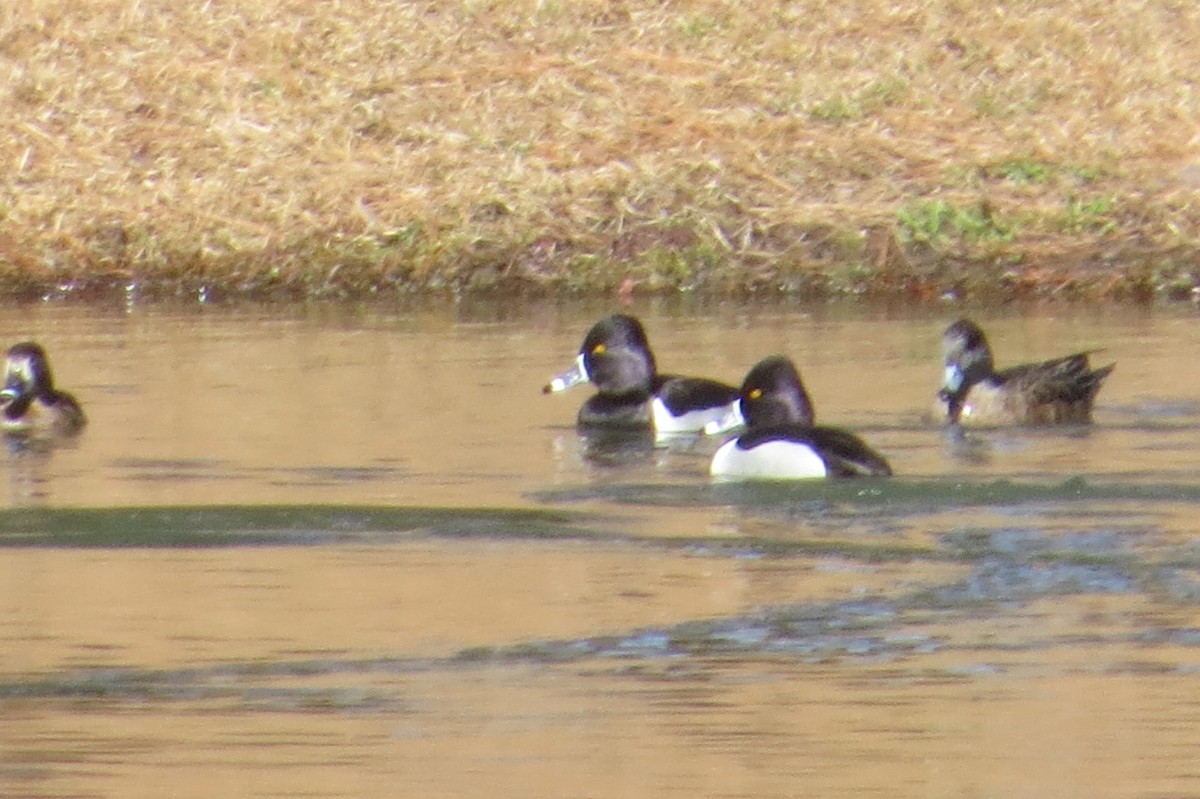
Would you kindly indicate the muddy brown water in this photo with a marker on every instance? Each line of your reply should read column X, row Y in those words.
column 354, row 552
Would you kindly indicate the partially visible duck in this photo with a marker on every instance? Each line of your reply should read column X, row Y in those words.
column 630, row 393
column 29, row 402
column 781, row 441
column 1060, row 390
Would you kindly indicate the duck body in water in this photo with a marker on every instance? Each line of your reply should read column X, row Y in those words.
column 1057, row 391
column 630, row 393
column 30, row 404
column 782, row 441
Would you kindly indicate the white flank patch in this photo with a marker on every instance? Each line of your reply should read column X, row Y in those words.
column 774, row 460
column 692, row 421
column 732, row 418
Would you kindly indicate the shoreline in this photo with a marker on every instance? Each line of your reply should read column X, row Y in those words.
column 886, row 273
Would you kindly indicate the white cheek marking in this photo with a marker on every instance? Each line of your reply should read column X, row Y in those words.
column 732, row 418
column 952, row 379
column 774, row 460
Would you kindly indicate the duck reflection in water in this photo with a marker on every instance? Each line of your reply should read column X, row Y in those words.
column 616, row 448
column 29, row 472
column 622, row 449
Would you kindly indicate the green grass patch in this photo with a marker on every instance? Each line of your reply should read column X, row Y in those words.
column 1022, row 171
column 876, row 95
column 1088, row 216
column 938, row 222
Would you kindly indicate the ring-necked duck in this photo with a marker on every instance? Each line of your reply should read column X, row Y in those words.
column 1060, row 390
column 781, row 441
column 30, row 402
column 616, row 357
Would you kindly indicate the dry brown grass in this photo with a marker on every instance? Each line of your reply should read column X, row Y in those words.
column 350, row 146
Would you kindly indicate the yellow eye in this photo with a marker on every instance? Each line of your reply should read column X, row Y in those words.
column 755, row 393
column 599, row 349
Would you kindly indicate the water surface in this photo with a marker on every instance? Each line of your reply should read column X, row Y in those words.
column 354, row 552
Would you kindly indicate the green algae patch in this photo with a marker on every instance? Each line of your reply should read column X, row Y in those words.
column 266, row 525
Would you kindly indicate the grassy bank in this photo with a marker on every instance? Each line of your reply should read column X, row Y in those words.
column 289, row 148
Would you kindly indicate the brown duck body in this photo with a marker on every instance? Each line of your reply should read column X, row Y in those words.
column 1057, row 391
column 29, row 402
column 59, row 415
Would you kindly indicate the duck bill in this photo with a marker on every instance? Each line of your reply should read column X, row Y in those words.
column 13, row 390
column 577, row 374
column 732, row 418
